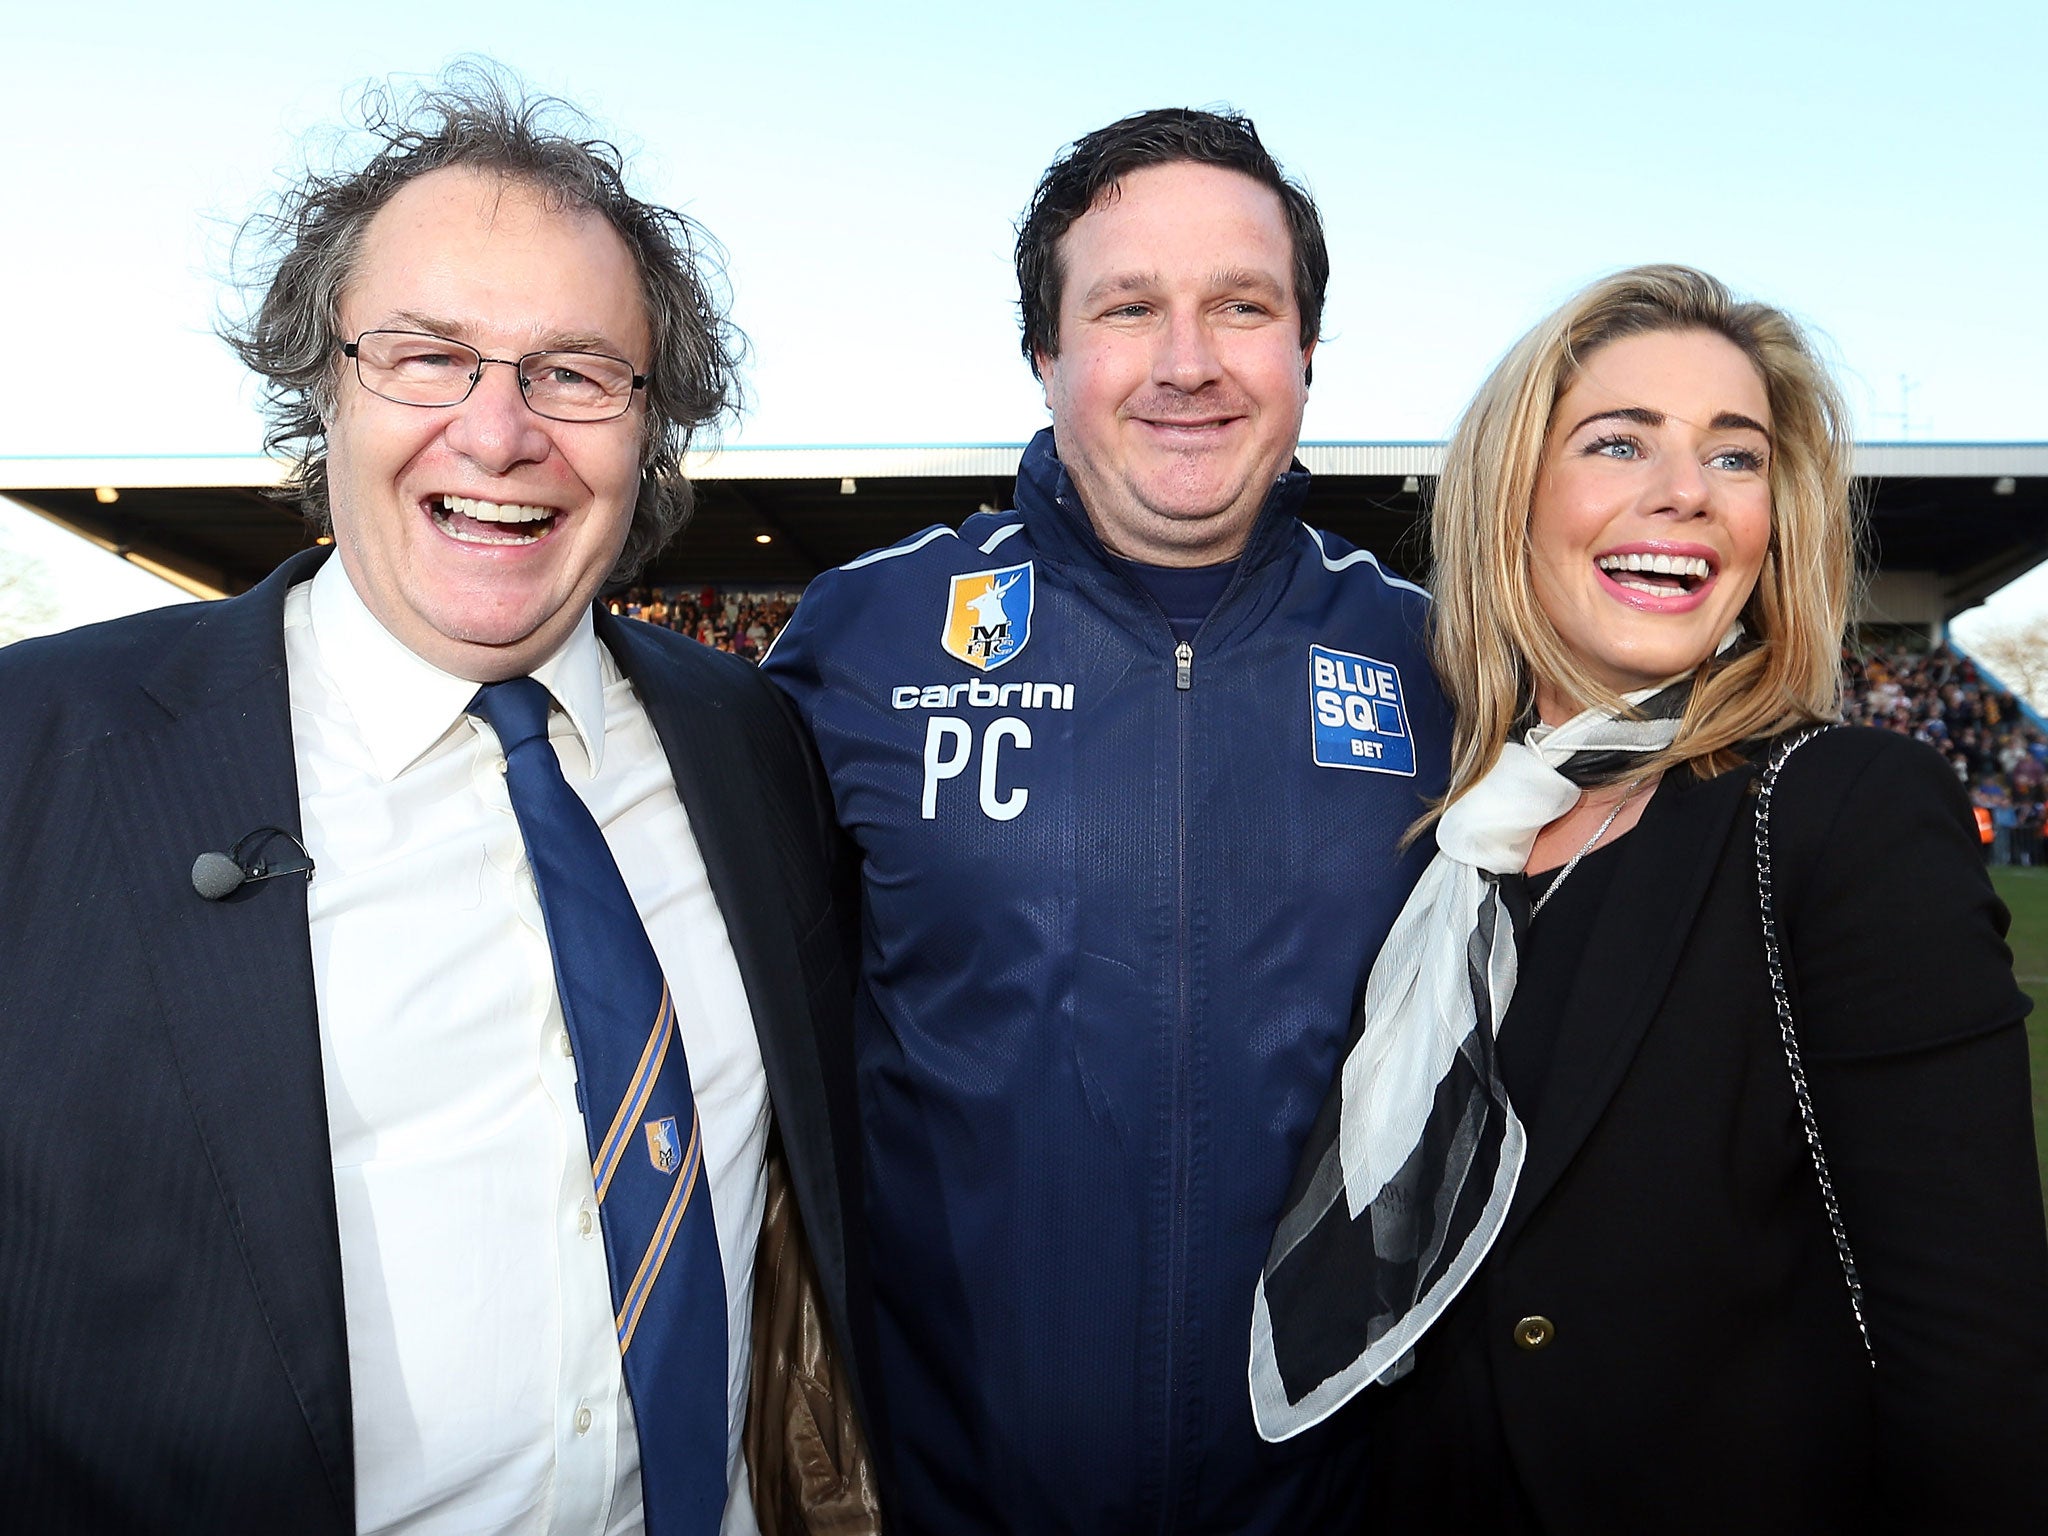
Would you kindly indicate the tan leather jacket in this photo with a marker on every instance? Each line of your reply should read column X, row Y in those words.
column 807, row 1456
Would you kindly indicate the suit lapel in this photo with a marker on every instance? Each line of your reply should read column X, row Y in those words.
column 235, row 977
column 1643, row 923
column 735, row 820
column 714, row 774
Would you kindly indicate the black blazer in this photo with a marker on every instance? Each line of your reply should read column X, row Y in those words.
column 1705, row 1373
column 172, row 1353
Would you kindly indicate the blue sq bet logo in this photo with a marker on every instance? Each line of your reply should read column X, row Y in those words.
column 1359, row 718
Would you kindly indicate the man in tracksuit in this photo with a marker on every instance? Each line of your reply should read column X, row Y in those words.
column 1128, row 768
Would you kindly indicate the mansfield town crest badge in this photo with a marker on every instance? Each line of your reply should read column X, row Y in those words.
column 664, row 1150
column 988, row 616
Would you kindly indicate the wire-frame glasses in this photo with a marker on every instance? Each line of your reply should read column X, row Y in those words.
column 417, row 368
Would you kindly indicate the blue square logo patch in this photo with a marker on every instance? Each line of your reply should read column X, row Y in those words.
column 1358, row 715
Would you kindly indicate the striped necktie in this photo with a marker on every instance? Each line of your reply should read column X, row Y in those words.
column 646, row 1142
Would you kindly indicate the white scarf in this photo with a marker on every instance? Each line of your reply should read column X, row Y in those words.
column 1375, row 1242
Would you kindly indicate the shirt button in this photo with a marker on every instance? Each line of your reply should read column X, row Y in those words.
column 562, row 1043
column 586, row 1223
column 582, row 1421
column 503, row 766
column 1534, row 1332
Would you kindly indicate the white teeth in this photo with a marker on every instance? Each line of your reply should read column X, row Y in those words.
column 515, row 519
column 1642, row 586
column 472, row 535
column 496, row 512
column 1657, row 565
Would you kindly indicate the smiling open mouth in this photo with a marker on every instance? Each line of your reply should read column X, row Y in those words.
column 1658, row 575
column 1195, row 424
column 490, row 522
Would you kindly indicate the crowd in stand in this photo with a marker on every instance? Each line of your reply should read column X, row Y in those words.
column 2000, row 756
column 745, row 623
column 1997, row 752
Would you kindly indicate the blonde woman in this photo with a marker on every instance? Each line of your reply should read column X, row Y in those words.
column 1638, row 1227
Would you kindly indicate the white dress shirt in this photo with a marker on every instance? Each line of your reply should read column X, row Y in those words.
column 484, row 1367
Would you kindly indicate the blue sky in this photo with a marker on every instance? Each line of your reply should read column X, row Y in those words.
column 1880, row 169
column 1881, row 174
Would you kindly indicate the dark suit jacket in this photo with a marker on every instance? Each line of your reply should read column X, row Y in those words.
column 1705, row 1373
column 172, row 1354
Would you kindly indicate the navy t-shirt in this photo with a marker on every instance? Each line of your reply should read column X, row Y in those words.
column 1186, row 592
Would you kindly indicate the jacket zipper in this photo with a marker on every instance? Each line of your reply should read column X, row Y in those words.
column 1183, row 683
column 1177, row 1234
column 1176, row 1246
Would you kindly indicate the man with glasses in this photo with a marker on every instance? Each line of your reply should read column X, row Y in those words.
column 418, row 1189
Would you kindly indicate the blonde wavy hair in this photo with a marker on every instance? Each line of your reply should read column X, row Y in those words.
column 1491, row 640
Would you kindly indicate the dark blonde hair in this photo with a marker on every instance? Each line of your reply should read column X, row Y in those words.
column 1491, row 639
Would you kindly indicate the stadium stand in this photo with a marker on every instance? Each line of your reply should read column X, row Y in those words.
column 1996, row 747
column 1940, row 696
column 1996, row 744
column 745, row 623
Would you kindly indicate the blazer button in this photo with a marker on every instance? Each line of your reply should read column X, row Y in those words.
column 1534, row 1332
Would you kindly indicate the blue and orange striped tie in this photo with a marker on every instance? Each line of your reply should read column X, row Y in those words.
column 646, row 1143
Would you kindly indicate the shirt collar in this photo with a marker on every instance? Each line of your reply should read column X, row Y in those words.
column 402, row 705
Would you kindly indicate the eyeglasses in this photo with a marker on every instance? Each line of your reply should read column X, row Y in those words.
column 415, row 368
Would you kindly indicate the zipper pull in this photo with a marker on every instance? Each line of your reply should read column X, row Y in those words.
column 1184, row 666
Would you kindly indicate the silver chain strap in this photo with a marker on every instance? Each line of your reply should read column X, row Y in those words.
column 1781, row 1000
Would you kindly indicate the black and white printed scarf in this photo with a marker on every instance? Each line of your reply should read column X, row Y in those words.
column 1412, row 1162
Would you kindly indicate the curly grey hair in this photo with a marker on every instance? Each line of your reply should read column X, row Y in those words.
column 304, row 246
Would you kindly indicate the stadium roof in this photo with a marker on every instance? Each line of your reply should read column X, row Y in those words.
column 1951, row 522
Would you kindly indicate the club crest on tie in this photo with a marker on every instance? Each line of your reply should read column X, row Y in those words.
column 988, row 616
column 664, row 1147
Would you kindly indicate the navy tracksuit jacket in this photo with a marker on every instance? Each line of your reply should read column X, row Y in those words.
column 1121, row 897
